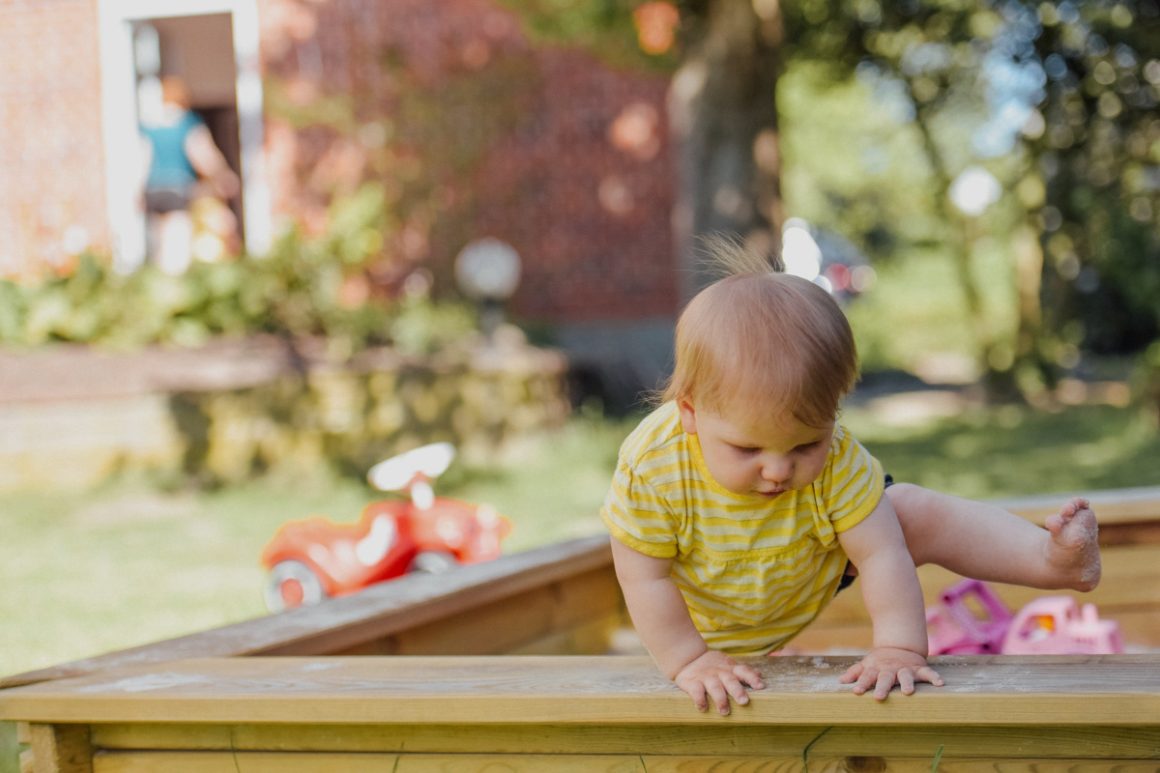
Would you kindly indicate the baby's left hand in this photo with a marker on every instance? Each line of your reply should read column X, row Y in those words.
column 883, row 667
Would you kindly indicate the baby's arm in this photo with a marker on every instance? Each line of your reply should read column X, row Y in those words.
column 662, row 620
column 876, row 546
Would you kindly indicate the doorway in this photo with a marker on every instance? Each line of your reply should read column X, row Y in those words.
column 212, row 45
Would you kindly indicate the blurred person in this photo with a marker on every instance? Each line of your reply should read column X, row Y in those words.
column 181, row 161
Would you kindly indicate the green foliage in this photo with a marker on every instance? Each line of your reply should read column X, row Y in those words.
column 306, row 287
column 603, row 27
column 1056, row 99
column 1099, row 147
column 1146, row 381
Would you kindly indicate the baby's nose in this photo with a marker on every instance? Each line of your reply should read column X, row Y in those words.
column 777, row 470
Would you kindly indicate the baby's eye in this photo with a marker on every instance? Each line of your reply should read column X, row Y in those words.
column 747, row 450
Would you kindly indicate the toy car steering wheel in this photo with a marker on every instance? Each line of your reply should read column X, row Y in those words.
column 396, row 473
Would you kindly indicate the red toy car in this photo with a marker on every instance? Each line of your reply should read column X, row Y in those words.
column 313, row 559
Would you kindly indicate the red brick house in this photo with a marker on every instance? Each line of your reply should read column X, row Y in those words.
column 473, row 129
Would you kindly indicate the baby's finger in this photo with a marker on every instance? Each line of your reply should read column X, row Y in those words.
column 906, row 681
column 719, row 697
column 696, row 691
column 749, row 676
column 736, row 689
column 851, row 674
column 928, row 674
column 884, row 685
column 865, row 681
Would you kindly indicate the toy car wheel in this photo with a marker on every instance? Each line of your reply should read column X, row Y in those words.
column 433, row 562
column 292, row 584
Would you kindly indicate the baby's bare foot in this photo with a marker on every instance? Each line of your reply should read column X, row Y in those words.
column 1074, row 548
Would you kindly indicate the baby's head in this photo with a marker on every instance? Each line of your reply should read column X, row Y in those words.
column 761, row 343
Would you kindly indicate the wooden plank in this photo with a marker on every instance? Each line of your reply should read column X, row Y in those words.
column 1114, row 507
column 510, row 624
column 523, row 763
column 1003, row 690
column 194, row 762
column 462, row 739
column 710, row 738
column 60, row 748
column 1127, row 516
column 886, row 764
column 208, row 762
column 201, row 762
column 375, row 614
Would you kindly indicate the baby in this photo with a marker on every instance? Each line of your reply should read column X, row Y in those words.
column 739, row 506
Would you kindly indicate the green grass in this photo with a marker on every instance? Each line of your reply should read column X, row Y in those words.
column 1012, row 451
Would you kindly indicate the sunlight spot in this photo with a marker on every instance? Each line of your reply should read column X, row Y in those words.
column 656, row 26
column 765, row 151
column 909, row 409
column 615, row 195
column 729, row 201
column 635, row 131
column 475, row 54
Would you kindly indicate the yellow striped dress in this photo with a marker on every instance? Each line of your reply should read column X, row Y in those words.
column 753, row 571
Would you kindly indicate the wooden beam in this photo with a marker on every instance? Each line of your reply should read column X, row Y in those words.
column 728, row 737
column 60, row 748
column 1004, row 690
column 1126, row 516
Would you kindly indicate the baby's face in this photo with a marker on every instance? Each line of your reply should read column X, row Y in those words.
column 767, row 460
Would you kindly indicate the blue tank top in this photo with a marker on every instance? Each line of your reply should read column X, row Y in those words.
column 170, row 167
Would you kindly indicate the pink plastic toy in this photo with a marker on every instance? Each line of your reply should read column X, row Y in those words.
column 955, row 628
column 1057, row 625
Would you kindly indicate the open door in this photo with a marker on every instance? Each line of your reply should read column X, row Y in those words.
column 212, row 45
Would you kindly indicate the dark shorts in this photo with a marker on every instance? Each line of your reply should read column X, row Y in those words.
column 849, row 577
column 160, row 201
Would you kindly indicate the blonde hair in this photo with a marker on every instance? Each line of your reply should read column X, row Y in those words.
column 760, row 343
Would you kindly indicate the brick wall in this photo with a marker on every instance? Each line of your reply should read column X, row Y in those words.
column 478, row 132
column 52, row 195
column 575, row 172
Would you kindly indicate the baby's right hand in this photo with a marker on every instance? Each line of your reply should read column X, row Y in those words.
column 717, row 676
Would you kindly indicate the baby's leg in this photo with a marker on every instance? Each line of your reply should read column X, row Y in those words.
column 986, row 542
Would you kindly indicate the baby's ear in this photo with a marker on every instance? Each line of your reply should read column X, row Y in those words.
column 688, row 415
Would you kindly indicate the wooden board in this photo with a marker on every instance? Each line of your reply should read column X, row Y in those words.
column 179, row 762
column 571, row 714
column 729, row 737
column 1050, row 690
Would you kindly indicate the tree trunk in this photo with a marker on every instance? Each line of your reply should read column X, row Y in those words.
column 723, row 117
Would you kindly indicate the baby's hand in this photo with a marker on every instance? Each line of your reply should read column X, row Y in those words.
column 717, row 676
column 883, row 667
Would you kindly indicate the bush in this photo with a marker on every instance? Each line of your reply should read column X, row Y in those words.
column 306, row 287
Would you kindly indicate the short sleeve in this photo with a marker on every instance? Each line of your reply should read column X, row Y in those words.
column 852, row 484
column 637, row 516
